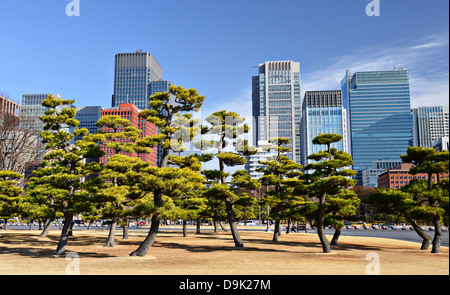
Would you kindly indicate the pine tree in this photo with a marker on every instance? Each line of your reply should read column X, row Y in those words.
column 190, row 204
column 39, row 203
column 118, row 135
column 283, row 176
column 64, row 168
column 226, row 127
column 10, row 195
column 329, row 182
column 434, row 196
column 170, row 113
column 399, row 203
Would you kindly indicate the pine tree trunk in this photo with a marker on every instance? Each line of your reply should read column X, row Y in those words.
column 199, row 224
column 150, row 239
column 112, row 233
column 185, row 234
column 68, row 219
column 31, row 225
column 437, row 235
column 222, row 227
column 320, row 230
column 276, row 231
column 47, row 228
column 288, row 228
column 125, row 231
column 5, row 224
column 426, row 238
column 216, row 228
column 231, row 219
column 337, row 234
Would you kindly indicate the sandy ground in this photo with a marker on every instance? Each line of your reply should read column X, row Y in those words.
column 24, row 253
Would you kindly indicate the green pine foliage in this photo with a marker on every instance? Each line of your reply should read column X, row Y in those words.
column 329, row 185
column 170, row 112
column 10, row 195
column 283, row 177
column 224, row 128
column 64, row 168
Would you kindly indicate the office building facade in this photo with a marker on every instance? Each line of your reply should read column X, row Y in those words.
column 379, row 110
column 322, row 112
column 8, row 107
column 88, row 117
column 429, row 124
column 276, row 104
column 400, row 176
column 370, row 176
column 132, row 75
column 130, row 112
column 265, row 152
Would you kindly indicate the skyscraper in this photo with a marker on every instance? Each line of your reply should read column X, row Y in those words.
column 322, row 112
column 132, row 75
column 429, row 124
column 380, row 116
column 276, row 104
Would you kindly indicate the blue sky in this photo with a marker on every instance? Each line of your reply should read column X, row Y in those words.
column 214, row 45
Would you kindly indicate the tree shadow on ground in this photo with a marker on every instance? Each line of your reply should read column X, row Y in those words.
column 206, row 248
column 36, row 247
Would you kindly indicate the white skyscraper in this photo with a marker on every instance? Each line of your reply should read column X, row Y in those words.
column 276, row 104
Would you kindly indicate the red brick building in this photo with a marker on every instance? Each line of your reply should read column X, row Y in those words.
column 400, row 176
column 130, row 112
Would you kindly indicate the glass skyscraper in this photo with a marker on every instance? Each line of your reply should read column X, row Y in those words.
column 322, row 112
column 379, row 109
column 276, row 104
column 430, row 123
column 132, row 76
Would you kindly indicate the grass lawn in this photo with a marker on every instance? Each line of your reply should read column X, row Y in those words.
column 24, row 253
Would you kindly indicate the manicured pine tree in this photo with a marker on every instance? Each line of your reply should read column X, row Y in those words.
column 10, row 195
column 117, row 134
column 39, row 203
column 329, row 181
column 399, row 203
column 225, row 127
column 282, row 176
column 170, row 112
column 434, row 197
column 64, row 166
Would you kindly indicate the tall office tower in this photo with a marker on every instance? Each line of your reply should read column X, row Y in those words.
column 429, row 124
column 276, row 104
column 130, row 112
column 88, row 116
column 322, row 112
column 380, row 116
column 132, row 75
